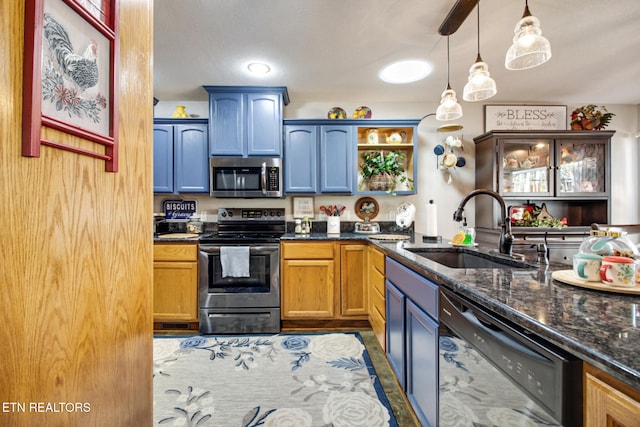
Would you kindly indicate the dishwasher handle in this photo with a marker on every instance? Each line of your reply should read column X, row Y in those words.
column 482, row 330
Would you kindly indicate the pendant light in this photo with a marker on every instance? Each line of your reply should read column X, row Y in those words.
column 480, row 85
column 529, row 48
column 449, row 109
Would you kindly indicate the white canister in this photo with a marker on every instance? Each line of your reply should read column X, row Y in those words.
column 333, row 225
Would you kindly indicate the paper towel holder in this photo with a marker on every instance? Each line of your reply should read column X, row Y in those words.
column 431, row 239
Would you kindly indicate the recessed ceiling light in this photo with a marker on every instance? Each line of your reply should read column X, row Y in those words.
column 259, row 68
column 405, row 71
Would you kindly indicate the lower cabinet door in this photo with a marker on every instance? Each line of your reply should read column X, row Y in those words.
column 422, row 364
column 395, row 301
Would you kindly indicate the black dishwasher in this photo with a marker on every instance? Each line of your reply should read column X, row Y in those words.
column 493, row 372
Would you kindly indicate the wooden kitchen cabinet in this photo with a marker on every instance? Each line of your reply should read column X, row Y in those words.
column 377, row 311
column 180, row 156
column 353, row 280
column 308, row 280
column 323, row 281
column 175, row 282
column 608, row 401
column 246, row 120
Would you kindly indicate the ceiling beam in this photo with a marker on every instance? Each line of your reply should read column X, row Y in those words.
column 456, row 16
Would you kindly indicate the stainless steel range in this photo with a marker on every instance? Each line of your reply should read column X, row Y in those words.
column 239, row 279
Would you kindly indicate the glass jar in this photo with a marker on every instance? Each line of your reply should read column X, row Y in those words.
column 609, row 242
column 621, row 245
column 194, row 225
column 298, row 227
column 588, row 242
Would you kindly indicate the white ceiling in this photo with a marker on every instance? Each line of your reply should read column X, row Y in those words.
column 332, row 50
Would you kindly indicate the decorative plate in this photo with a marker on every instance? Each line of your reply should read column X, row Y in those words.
column 337, row 113
column 362, row 113
column 367, row 207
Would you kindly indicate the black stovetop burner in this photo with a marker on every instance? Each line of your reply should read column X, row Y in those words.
column 244, row 226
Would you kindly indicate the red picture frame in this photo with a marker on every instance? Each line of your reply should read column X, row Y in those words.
column 70, row 70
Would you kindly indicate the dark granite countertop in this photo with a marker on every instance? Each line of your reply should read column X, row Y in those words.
column 602, row 328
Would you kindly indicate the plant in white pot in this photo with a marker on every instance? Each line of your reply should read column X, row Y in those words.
column 382, row 172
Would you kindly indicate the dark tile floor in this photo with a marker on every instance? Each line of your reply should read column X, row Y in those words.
column 399, row 405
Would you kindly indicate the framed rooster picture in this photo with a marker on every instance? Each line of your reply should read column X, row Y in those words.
column 71, row 50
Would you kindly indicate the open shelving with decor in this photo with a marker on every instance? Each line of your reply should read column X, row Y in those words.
column 387, row 145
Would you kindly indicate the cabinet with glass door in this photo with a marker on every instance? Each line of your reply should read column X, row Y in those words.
column 568, row 171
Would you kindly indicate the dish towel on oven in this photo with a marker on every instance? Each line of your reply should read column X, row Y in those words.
column 235, row 261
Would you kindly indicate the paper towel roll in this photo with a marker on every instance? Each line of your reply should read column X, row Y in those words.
column 432, row 219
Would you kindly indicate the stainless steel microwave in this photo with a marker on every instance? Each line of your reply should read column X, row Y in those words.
column 253, row 177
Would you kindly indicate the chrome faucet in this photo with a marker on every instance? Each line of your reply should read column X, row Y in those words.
column 506, row 238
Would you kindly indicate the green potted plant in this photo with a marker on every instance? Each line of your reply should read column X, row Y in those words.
column 382, row 172
column 590, row 117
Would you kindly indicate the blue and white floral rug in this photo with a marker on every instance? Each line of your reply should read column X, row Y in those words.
column 296, row 380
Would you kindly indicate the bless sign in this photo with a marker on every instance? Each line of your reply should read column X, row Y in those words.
column 525, row 117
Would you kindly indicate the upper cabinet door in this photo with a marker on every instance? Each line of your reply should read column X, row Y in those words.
column 337, row 152
column 246, row 121
column 163, row 159
column 264, row 125
column 582, row 167
column 191, row 160
column 301, row 159
column 226, row 115
column 527, row 166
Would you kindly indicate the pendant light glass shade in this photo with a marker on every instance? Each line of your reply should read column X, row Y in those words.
column 480, row 85
column 449, row 109
column 529, row 48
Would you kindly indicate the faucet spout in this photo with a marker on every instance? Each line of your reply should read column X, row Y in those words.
column 506, row 238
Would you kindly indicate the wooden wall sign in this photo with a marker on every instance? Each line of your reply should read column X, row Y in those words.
column 70, row 70
column 525, row 117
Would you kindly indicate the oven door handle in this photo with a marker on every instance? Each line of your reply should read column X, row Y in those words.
column 253, row 249
column 263, row 178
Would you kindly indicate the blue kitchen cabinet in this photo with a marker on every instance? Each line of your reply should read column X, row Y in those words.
column 421, row 363
column 336, row 159
column 180, row 156
column 318, row 158
column 301, row 159
column 163, row 158
column 412, row 337
column 395, row 303
column 246, row 121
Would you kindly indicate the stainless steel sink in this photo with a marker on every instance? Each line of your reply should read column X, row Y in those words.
column 465, row 258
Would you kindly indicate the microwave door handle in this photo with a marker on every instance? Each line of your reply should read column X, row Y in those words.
column 263, row 178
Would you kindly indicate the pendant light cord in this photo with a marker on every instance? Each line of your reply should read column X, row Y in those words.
column 448, row 81
column 478, row 58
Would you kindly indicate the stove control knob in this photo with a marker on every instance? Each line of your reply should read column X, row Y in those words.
column 223, row 213
column 230, row 214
